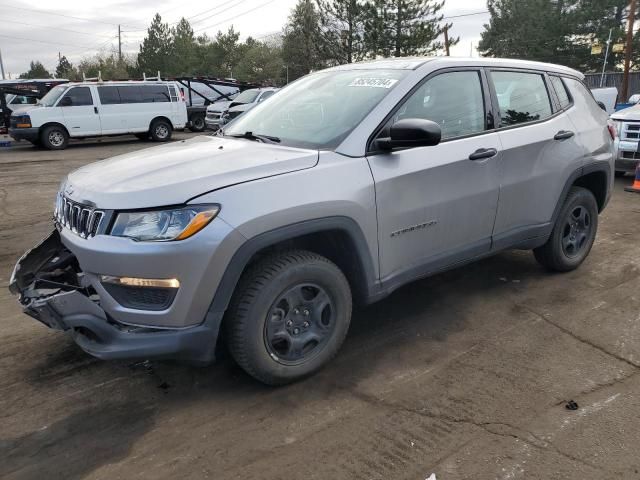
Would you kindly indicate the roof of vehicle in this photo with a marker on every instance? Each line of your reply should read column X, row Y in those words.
column 413, row 63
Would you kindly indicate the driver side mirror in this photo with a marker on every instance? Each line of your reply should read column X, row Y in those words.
column 411, row 132
column 65, row 102
column 602, row 106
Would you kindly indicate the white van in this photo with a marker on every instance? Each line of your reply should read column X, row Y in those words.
column 149, row 109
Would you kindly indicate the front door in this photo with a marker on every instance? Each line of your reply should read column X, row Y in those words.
column 80, row 112
column 437, row 205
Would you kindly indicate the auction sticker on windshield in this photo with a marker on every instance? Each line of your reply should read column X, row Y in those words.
column 373, row 82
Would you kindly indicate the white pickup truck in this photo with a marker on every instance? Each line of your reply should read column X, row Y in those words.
column 627, row 123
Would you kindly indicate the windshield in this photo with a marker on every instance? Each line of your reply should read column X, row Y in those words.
column 319, row 110
column 52, row 97
column 248, row 96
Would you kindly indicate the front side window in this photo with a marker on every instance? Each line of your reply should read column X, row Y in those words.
column 561, row 91
column 266, row 95
column 318, row 111
column 522, row 97
column 453, row 100
column 78, row 97
column 248, row 96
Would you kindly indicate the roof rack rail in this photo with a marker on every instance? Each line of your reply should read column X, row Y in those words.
column 93, row 79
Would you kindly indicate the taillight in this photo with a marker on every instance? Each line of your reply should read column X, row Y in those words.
column 182, row 94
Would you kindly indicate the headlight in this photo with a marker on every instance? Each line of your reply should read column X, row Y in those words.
column 164, row 225
column 22, row 121
column 618, row 126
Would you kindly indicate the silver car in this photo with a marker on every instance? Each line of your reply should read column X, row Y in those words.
column 348, row 184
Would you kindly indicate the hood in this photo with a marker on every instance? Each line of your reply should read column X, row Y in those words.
column 177, row 172
column 631, row 113
column 24, row 109
column 218, row 107
column 243, row 107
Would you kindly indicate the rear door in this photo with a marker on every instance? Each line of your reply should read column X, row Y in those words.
column 437, row 205
column 540, row 151
column 80, row 111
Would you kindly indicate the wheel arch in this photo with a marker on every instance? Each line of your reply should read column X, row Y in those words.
column 161, row 117
column 595, row 177
column 51, row 124
column 339, row 239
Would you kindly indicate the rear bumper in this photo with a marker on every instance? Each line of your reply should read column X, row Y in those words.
column 30, row 134
column 55, row 291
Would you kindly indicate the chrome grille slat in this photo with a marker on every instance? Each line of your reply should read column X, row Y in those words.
column 80, row 219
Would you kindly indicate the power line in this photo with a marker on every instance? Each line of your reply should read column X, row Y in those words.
column 48, row 42
column 235, row 16
column 61, row 15
column 55, row 28
column 466, row 15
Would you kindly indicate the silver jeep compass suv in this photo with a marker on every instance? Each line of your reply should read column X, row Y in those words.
column 347, row 184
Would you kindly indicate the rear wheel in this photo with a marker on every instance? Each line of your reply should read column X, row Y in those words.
column 54, row 137
column 197, row 123
column 289, row 316
column 573, row 233
column 160, row 131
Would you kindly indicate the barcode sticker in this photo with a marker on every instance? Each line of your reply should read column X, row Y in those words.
column 372, row 82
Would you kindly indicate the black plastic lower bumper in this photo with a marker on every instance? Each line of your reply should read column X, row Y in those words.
column 30, row 134
column 51, row 289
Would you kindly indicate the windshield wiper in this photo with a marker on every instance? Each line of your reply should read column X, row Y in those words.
column 256, row 137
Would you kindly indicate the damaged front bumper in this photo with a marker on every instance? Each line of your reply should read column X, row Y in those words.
column 53, row 290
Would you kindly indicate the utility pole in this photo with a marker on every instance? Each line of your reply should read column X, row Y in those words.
column 119, row 45
column 1, row 65
column 628, row 50
column 606, row 57
column 446, row 40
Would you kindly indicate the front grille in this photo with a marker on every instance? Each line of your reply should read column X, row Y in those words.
column 80, row 219
column 631, row 155
column 141, row 298
column 213, row 116
column 630, row 131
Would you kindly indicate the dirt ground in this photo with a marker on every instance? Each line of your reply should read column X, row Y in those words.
column 465, row 375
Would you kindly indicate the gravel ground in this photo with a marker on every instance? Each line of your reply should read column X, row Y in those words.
column 465, row 375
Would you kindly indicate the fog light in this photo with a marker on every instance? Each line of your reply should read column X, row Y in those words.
column 141, row 282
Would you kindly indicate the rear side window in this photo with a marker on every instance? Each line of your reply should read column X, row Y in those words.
column 561, row 91
column 523, row 97
column 154, row 93
column 173, row 93
column 453, row 100
column 130, row 94
column 109, row 95
column 79, row 96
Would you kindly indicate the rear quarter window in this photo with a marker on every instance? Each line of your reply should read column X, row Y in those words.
column 154, row 93
column 561, row 92
column 130, row 94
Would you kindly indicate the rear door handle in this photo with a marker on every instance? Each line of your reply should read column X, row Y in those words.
column 483, row 153
column 563, row 135
column 95, row 109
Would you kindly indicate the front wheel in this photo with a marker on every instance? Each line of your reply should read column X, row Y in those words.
column 160, row 131
column 573, row 233
column 289, row 316
column 54, row 137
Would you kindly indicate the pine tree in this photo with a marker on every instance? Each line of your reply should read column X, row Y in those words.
column 36, row 70
column 64, row 68
column 343, row 28
column 402, row 28
column 184, row 49
column 557, row 31
column 156, row 49
column 303, row 43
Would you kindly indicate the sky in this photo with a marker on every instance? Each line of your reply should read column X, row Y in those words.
column 31, row 30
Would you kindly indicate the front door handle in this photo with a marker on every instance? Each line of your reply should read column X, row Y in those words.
column 483, row 153
column 95, row 109
column 563, row 135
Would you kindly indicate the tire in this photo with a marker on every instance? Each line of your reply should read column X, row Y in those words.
column 54, row 137
column 197, row 123
column 142, row 136
column 160, row 131
column 573, row 233
column 289, row 316
column 619, row 173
